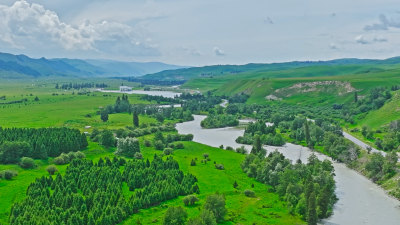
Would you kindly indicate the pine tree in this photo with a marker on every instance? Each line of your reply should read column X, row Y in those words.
column 307, row 132
column 355, row 97
column 235, row 184
column 104, row 116
column 135, row 118
column 312, row 217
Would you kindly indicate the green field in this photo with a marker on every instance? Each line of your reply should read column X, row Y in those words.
column 78, row 111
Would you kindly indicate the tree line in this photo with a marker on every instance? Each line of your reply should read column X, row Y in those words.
column 38, row 143
column 80, row 86
column 92, row 193
column 308, row 189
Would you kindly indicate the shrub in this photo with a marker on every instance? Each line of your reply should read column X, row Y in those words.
column 51, row 169
column 190, row 200
column 168, row 151
column 249, row 193
column 219, row 166
column 179, row 146
column 159, row 145
column 229, row 148
column 65, row 157
column 128, row 146
column 138, row 155
column 147, row 143
column 59, row 161
column 241, row 150
column 79, row 155
column 175, row 216
column 27, row 162
column 8, row 174
column 71, row 156
column 193, row 163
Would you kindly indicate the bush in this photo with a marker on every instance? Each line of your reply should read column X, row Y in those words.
column 138, row 155
column 79, row 155
column 8, row 174
column 175, row 216
column 147, row 143
column 65, row 157
column 219, row 166
column 229, row 148
column 193, row 163
column 128, row 147
column 249, row 193
column 71, row 156
column 190, row 200
column 159, row 145
column 179, row 146
column 27, row 162
column 59, row 161
column 51, row 169
column 241, row 150
column 168, row 151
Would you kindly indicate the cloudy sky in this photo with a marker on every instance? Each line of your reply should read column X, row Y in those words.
column 201, row 32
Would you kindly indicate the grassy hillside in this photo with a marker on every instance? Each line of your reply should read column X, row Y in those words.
column 259, row 85
column 278, row 70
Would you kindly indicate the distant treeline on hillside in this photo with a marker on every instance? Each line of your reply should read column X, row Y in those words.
column 80, row 86
column 152, row 81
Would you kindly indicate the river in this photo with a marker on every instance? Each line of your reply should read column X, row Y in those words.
column 360, row 200
column 166, row 94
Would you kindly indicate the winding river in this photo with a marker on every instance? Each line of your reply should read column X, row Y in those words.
column 360, row 200
column 166, row 94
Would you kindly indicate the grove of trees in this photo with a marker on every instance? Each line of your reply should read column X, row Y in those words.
column 91, row 192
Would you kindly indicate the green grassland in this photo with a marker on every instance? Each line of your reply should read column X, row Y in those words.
column 265, row 208
column 78, row 111
column 67, row 108
column 259, row 85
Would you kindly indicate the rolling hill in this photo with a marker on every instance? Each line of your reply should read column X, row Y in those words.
column 278, row 70
column 22, row 66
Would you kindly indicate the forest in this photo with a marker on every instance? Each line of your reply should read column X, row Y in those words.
column 38, row 143
column 92, row 193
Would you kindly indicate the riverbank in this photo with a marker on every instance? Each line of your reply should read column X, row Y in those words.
column 360, row 200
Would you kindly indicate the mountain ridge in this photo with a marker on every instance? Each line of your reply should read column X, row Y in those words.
column 22, row 66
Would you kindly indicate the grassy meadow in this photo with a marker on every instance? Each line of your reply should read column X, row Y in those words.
column 77, row 111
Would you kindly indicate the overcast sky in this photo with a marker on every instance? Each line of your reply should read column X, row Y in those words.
column 201, row 32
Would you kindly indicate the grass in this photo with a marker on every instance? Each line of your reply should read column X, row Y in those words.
column 78, row 111
column 260, row 84
column 265, row 208
column 65, row 109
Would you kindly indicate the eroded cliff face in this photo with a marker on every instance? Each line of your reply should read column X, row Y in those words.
column 333, row 87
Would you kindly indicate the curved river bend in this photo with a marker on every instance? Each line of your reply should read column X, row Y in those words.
column 360, row 200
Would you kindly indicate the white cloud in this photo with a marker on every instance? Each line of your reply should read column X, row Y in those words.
column 361, row 39
column 384, row 23
column 218, row 52
column 23, row 24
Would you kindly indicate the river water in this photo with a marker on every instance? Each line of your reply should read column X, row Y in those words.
column 360, row 200
column 167, row 94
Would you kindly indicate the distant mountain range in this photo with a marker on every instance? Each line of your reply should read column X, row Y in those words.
column 277, row 70
column 22, row 66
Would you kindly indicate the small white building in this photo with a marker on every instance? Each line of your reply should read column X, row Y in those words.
column 124, row 88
